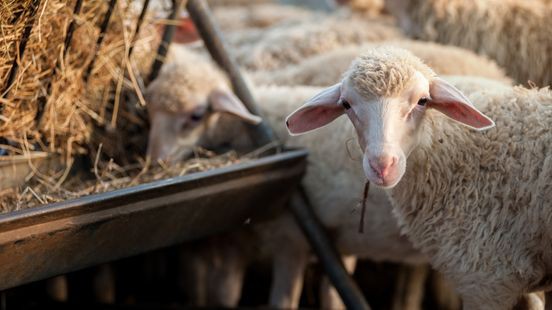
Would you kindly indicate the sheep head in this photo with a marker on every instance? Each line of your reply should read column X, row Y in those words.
column 180, row 107
column 386, row 94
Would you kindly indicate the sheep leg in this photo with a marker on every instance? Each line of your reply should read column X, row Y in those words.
column 104, row 284
column 57, row 288
column 548, row 300
column 443, row 292
column 329, row 296
column 226, row 275
column 409, row 293
column 531, row 301
column 288, row 272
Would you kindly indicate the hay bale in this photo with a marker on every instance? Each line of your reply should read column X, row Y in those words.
column 48, row 78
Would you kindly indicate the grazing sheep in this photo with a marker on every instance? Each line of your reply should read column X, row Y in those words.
column 517, row 34
column 327, row 69
column 172, row 109
column 477, row 203
column 291, row 44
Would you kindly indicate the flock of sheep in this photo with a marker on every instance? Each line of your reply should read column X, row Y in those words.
column 461, row 158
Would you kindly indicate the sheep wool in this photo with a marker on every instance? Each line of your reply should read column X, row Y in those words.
column 482, row 212
column 291, row 44
column 194, row 75
column 327, row 69
column 515, row 33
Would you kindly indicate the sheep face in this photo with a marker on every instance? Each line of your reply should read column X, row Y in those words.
column 173, row 134
column 177, row 128
column 389, row 124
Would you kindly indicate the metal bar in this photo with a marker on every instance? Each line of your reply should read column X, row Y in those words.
column 320, row 242
column 68, row 38
column 203, row 19
column 71, row 27
column 138, row 26
column 166, row 39
column 103, row 29
column 21, row 51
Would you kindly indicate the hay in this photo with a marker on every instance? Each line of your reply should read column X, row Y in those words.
column 108, row 176
column 48, row 77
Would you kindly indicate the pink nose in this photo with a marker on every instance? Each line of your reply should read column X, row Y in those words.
column 382, row 165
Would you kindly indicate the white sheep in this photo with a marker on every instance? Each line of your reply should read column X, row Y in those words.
column 176, row 114
column 517, row 34
column 327, row 69
column 477, row 203
column 292, row 43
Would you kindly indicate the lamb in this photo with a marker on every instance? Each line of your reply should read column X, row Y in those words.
column 476, row 203
column 517, row 34
column 291, row 44
column 180, row 120
column 327, row 69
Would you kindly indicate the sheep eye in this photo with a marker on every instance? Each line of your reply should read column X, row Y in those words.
column 345, row 104
column 196, row 116
column 423, row 101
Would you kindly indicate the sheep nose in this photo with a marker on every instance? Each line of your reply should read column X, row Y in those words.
column 382, row 165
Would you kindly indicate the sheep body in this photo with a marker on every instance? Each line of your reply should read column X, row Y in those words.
column 466, row 196
column 291, row 44
column 263, row 15
column 502, row 207
column 514, row 33
column 327, row 69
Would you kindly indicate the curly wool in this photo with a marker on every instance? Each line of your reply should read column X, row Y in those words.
column 517, row 34
column 193, row 75
column 327, row 69
column 291, row 44
column 385, row 71
column 482, row 212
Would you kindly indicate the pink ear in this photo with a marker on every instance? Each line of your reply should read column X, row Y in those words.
column 226, row 101
column 316, row 112
column 448, row 100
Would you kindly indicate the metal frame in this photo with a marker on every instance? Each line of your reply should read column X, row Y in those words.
column 58, row 238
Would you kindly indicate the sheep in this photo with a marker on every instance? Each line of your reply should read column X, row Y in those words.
column 174, row 113
column 291, row 44
column 257, row 16
column 326, row 69
column 517, row 34
column 476, row 203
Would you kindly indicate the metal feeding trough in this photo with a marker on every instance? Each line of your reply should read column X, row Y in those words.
column 61, row 237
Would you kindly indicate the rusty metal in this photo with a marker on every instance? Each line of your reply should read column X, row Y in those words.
column 62, row 237
column 166, row 39
column 21, row 50
column 320, row 242
column 103, row 29
column 203, row 19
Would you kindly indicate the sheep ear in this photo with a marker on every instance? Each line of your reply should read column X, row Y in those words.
column 317, row 112
column 448, row 100
column 225, row 101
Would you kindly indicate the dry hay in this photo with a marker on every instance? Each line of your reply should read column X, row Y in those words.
column 46, row 76
column 108, row 176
